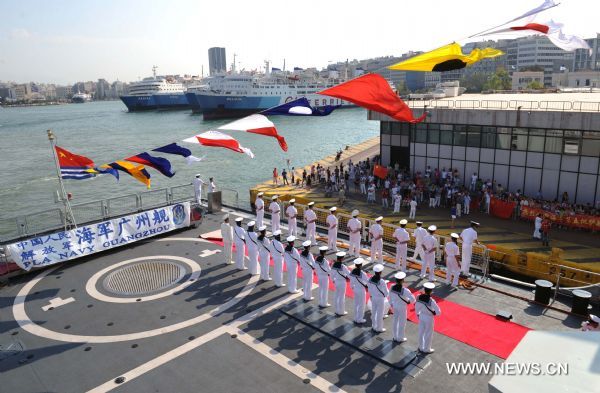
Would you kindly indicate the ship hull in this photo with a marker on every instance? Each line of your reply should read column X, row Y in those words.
column 139, row 103
column 171, row 101
column 223, row 107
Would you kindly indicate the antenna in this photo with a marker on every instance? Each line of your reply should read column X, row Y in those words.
column 233, row 64
column 154, row 68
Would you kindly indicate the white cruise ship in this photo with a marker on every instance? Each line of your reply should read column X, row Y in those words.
column 155, row 93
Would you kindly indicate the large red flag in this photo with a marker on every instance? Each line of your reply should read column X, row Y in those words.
column 66, row 159
column 373, row 92
column 380, row 171
column 218, row 139
column 256, row 124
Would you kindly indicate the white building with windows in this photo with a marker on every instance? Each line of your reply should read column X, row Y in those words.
column 529, row 142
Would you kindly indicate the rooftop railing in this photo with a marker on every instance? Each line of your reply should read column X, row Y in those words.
column 549, row 106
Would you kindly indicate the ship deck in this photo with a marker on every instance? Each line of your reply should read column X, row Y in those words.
column 216, row 329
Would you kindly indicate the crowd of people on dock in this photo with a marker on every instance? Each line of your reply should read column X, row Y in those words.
column 261, row 249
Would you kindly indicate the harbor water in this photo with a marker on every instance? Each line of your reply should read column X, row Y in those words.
column 105, row 132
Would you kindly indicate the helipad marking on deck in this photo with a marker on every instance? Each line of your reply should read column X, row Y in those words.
column 20, row 315
column 207, row 253
column 90, row 286
column 57, row 302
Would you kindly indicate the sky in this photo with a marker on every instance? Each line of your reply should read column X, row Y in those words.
column 63, row 41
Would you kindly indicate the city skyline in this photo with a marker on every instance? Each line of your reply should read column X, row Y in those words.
column 64, row 42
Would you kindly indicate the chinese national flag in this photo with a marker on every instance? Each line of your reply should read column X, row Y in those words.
column 380, row 172
column 373, row 92
column 66, row 159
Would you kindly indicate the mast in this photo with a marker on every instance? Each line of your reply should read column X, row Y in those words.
column 154, row 68
column 69, row 218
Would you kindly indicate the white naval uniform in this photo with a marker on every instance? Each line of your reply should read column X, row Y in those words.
column 252, row 244
column 227, row 235
column 376, row 232
column 332, row 230
column 277, row 252
column 260, row 211
column 429, row 243
column 291, row 212
column 452, row 269
column 310, row 217
column 401, row 235
column 240, row 236
column 275, row 216
column 468, row 236
column 426, row 317
column 379, row 292
column 354, row 224
column 413, row 209
column 264, row 257
column 358, row 282
column 339, row 276
column 419, row 233
column 197, row 182
column 399, row 300
column 323, row 270
column 538, row 226
column 307, row 263
column 397, row 201
column 292, row 258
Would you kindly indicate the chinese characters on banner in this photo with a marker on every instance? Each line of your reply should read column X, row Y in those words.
column 89, row 239
column 581, row 221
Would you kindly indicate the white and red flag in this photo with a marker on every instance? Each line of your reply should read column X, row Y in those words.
column 256, row 124
column 218, row 139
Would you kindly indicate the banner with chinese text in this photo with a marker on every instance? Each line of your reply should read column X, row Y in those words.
column 502, row 209
column 573, row 221
column 89, row 239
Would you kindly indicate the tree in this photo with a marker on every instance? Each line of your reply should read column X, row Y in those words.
column 474, row 82
column 401, row 88
column 499, row 81
column 535, row 85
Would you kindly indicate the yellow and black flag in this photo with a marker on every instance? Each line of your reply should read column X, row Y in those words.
column 446, row 58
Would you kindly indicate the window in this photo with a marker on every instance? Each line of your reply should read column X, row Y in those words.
column 474, row 136
column 460, row 135
column 519, row 139
column 571, row 146
column 395, row 128
column 421, row 133
column 536, row 140
column 591, row 144
column 385, row 127
column 554, row 141
column 434, row 136
column 405, row 128
column 503, row 140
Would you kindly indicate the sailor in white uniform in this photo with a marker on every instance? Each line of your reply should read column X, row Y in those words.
column 339, row 274
column 468, row 236
column 400, row 298
column 291, row 213
column 592, row 324
column 379, row 292
column 264, row 253
column 227, row 236
column 358, row 282
column 354, row 229
column 426, row 309
column 376, row 236
column 259, row 203
column 307, row 263
column 402, row 238
column 240, row 235
column 332, row 229
column 292, row 259
column 277, row 253
column 310, row 219
column 198, row 182
column 252, row 244
column 430, row 246
column 452, row 265
column 419, row 234
column 323, row 270
column 275, row 210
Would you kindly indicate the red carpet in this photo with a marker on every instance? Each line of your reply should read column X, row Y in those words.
column 475, row 328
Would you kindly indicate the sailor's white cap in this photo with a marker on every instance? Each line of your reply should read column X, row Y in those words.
column 291, row 239
column 378, row 268
column 306, row 243
column 429, row 285
column 403, row 222
column 594, row 318
column 274, row 197
column 226, row 217
column 239, row 219
column 400, row 276
column 277, row 232
column 251, row 224
column 419, row 222
column 340, row 254
column 354, row 213
column 359, row 261
column 310, row 204
column 475, row 223
column 432, row 228
column 262, row 228
column 323, row 248
column 197, row 175
column 454, row 235
column 260, row 194
column 293, row 200
column 332, row 209
column 380, row 218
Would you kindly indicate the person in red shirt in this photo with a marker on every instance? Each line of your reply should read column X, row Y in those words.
column 275, row 176
column 546, row 225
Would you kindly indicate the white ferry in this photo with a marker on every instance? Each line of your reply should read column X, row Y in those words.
column 155, row 93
